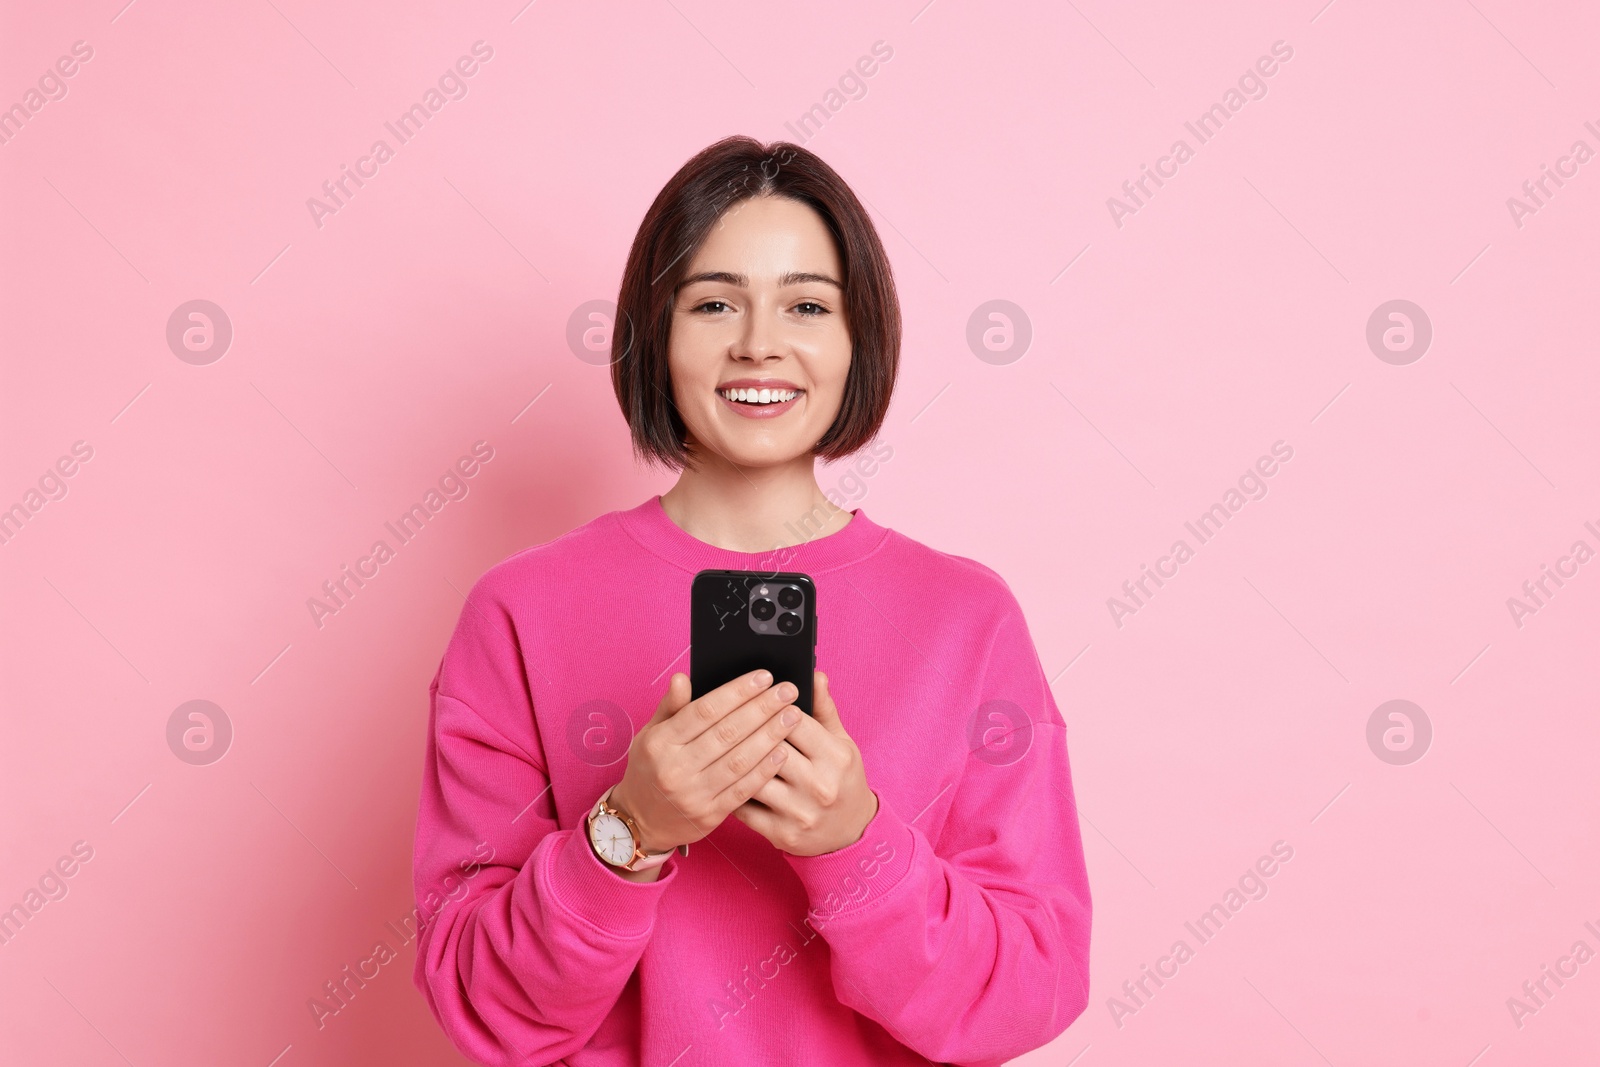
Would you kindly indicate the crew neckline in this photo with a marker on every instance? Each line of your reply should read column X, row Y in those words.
column 651, row 526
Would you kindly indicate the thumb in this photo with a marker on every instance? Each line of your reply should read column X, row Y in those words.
column 673, row 700
column 826, row 711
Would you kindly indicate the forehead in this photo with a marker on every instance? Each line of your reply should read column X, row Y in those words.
column 765, row 236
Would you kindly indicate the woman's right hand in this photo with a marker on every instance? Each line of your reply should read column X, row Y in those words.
column 697, row 760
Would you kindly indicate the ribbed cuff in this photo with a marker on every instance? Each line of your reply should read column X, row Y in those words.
column 588, row 889
column 852, row 878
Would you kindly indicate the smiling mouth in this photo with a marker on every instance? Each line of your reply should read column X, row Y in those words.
column 759, row 397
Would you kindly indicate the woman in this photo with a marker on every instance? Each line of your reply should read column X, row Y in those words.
column 902, row 879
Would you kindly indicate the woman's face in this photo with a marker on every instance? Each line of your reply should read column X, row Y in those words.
column 761, row 307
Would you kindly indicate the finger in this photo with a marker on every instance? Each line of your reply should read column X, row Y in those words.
column 778, row 794
column 765, row 720
column 826, row 711
column 673, row 700
column 796, row 774
column 706, row 711
column 742, row 725
column 813, row 740
column 757, row 818
column 750, row 783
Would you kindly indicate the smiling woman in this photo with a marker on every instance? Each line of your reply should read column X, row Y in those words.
column 731, row 331
column 909, row 855
column 792, row 274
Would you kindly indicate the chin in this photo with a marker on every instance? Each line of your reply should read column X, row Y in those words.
column 773, row 458
column 768, row 456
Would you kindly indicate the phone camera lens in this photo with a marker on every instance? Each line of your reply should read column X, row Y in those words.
column 763, row 609
column 789, row 597
column 789, row 623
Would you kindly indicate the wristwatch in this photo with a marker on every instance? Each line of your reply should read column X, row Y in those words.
column 615, row 837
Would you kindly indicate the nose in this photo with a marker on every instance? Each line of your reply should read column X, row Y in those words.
column 761, row 339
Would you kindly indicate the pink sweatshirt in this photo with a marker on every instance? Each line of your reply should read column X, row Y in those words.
column 956, row 930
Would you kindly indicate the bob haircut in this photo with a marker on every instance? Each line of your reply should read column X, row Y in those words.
column 683, row 214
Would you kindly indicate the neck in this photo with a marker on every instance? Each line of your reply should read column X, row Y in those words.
column 753, row 509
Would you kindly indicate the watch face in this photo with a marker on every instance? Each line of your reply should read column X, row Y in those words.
column 611, row 839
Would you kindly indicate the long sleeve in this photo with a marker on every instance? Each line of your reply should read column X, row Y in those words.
column 973, row 949
column 526, row 940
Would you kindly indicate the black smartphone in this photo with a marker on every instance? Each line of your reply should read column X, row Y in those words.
column 741, row 621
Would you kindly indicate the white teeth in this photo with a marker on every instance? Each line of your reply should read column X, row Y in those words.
column 761, row 396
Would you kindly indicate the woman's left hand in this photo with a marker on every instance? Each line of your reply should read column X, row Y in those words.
column 819, row 801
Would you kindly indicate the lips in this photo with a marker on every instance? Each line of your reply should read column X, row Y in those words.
column 758, row 394
column 768, row 410
column 759, row 383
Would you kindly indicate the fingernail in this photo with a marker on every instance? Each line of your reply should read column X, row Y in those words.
column 778, row 755
column 791, row 717
column 763, row 679
column 787, row 692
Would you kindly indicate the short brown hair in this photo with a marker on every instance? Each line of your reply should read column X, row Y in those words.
column 688, row 206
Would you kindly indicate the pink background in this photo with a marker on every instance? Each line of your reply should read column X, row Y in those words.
column 1229, row 312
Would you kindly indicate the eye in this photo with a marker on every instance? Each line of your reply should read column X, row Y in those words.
column 812, row 304
column 708, row 303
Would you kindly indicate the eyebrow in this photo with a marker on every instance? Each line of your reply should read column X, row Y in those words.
column 794, row 277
